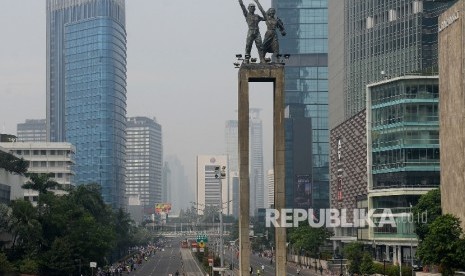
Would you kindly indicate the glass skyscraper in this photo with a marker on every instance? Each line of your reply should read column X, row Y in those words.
column 385, row 39
column 86, row 89
column 306, row 95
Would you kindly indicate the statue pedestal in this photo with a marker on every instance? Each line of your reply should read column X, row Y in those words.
column 261, row 72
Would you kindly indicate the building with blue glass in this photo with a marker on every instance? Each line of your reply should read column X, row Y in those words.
column 86, row 89
column 403, row 157
column 306, row 99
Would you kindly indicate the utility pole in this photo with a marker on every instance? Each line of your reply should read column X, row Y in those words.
column 220, row 174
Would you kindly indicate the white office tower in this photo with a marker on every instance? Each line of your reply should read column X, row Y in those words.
column 270, row 178
column 208, row 186
column 144, row 160
column 54, row 158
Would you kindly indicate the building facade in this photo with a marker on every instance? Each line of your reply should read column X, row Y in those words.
column 10, row 183
column 306, row 93
column 451, row 55
column 349, row 185
column 32, row 130
column 182, row 192
column 86, row 89
column 403, row 157
column 385, row 39
column 209, row 193
column 257, row 177
column 231, row 134
column 56, row 159
column 144, row 160
column 270, row 180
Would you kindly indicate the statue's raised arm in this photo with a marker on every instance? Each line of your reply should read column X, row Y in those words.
column 244, row 10
column 261, row 9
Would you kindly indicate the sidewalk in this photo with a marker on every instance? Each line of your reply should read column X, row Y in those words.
column 307, row 272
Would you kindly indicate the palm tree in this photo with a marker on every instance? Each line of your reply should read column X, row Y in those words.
column 40, row 182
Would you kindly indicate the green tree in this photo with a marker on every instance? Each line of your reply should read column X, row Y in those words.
column 13, row 164
column 5, row 265
column 25, row 228
column 428, row 206
column 367, row 265
column 309, row 238
column 354, row 254
column 124, row 231
column 442, row 245
column 29, row 266
column 40, row 182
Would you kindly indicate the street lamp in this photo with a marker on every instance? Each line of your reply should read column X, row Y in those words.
column 220, row 174
column 79, row 260
column 341, row 274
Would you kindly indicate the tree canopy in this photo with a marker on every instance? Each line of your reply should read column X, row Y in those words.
column 443, row 245
column 66, row 229
column 428, row 206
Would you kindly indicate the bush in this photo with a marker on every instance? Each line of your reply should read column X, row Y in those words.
column 5, row 265
column 29, row 266
column 392, row 270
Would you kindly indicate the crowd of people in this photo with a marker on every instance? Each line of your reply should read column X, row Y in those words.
column 130, row 263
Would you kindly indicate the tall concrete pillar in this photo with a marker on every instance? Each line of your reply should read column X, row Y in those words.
column 261, row 73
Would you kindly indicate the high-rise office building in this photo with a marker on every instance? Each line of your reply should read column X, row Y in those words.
column 144, row 160
column 166, row 183
column 374, row 49
column 402, row 155
column 257, row 179
column 306, row 94
column 86, row 89
column 32, row 131
column 256, row 170
column 181, row 192
column 270, row 178
column 382, row 39
column 232, row 151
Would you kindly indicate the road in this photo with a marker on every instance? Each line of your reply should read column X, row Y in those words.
column 256, row 262
column 169, row 260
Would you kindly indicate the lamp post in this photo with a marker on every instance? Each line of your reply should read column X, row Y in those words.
column 411, row 238
column 220, row 174
column 341, row 274
column 384, row 267
column 79, row 265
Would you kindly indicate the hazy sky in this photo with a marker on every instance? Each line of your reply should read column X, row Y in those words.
column 180, row 70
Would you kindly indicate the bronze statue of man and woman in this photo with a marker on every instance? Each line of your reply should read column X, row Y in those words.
column 270, row 42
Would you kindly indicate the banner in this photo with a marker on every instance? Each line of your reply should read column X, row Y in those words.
column 162, row 208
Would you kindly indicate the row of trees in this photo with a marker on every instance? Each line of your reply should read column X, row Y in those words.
column 441, row 242
column 441, row 239
column 64, row 233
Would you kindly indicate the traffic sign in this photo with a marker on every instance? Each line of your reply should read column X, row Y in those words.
column 202, row 238
column 201, row 244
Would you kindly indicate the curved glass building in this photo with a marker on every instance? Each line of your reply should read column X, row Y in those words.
column 86, row 89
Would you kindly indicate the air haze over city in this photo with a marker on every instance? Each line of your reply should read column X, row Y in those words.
column 180, row 70
column 120, row 126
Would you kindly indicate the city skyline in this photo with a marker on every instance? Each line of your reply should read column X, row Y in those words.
column 165, row 79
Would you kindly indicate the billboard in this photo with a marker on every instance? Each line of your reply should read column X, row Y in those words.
column 303, row 192
column 162, row 208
